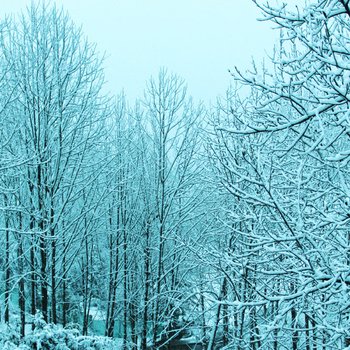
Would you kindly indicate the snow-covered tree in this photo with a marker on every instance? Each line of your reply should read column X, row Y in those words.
column 55, row 77
column 292, row 176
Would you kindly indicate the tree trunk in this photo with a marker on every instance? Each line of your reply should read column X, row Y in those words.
column 64, row 282
column 161, row 214
column 132, row 322
column 225, row 316
column 7, row 265
column 307, row 332
column 236, row 328
column 86, row 286
column 53, row 266
column 110, row 284
column 147, row 261
column 203, row 322
column 113, row 273
column 32, row 274
column 21, row 290
column 113, row 308
column 44, row 288
column 275, row 331
column 125, row 290
column 314, row 332
column 21, row 296
column 217, row 315
column 42, row 245
column 242, row 313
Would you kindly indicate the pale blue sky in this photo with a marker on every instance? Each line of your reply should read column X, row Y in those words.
column 197, row 39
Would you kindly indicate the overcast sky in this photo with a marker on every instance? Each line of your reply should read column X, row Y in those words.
column 197, row 39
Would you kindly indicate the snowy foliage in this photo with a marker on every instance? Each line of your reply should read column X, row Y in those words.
column 49, row 336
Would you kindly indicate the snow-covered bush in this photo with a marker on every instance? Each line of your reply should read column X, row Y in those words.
column 52, row 337
column 9, row 337
column 94, row 343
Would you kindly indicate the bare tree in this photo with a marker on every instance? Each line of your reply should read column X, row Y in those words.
column 57, row 79
column 291, row 176
column 170, row 122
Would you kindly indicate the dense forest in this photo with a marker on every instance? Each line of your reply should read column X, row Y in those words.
column 142, row 223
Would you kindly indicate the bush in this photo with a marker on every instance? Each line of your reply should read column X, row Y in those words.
column 9, row 337
column 51, row 337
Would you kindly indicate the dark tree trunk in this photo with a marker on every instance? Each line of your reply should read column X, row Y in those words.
column 85, row 299
column 32, row 275
column 112, row 314
column 125, row 288
column 64, row 280
column 242, row 312
column 203, row 322
column 314, row 333
column 132, row 322
column 113, row 280
column 275, row 331
column 21, row 296
column 110, row 284
column 158, row 283
column 113, row 300
column 307, row 333
column 161, row 233
column 21, row 290
column 7, row 265
column 86, row 286
column 225, row 316
column 32, row 253
column 147, row 261
column 44, row 287
column 53, row 282
column 53, row 265
column 42, row 245
column 217, row 316
column 236, row 327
